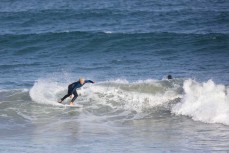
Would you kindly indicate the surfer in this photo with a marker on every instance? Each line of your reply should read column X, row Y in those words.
column 169, row 77
column 72, row 93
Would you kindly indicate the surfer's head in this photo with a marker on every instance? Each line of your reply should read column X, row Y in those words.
column 82, row 80
column 169, row 77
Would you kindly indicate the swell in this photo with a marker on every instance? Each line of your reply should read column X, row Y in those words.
column 109, row 35
column 86, row 40
column 115, row 12
column 119, row 20
column 25, row 5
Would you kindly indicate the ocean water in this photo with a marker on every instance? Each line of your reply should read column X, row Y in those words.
column 128, row 48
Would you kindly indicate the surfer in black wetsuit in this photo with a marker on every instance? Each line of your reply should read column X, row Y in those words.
column 72, row 93
column 169, row 77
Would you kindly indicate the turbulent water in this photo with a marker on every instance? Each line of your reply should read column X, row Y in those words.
column 128, row 48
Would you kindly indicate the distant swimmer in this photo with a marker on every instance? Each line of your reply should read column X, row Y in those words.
column 169, row 77
column 72, row 93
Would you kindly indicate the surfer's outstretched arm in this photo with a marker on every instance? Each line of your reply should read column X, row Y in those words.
column 89, row 81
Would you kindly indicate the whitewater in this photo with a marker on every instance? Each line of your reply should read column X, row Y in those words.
column 206, row 102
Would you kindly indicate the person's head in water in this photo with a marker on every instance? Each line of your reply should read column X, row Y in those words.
column 82, row 80
column 169, row 77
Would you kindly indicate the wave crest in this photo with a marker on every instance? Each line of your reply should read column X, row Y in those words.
column 206, row 102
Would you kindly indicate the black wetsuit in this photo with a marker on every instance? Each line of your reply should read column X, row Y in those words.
column 72, row 89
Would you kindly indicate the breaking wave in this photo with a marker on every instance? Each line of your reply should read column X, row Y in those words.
column 206, row 102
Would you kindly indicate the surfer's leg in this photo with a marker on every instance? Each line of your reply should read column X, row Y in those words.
column 67, row 95
column 74, row 98
column 62, row 99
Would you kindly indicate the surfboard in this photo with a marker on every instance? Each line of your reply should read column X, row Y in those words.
column 74, row 106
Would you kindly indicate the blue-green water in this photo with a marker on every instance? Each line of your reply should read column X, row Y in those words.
column 128, row 48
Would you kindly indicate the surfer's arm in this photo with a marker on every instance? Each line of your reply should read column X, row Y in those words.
column 89, row 81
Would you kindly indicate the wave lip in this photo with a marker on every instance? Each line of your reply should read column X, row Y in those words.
column 206, row 102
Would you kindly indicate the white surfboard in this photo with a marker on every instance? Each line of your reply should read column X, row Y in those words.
column 74, row 106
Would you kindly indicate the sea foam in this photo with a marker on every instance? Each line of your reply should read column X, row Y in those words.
column 206, row 102
column 45, row 91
